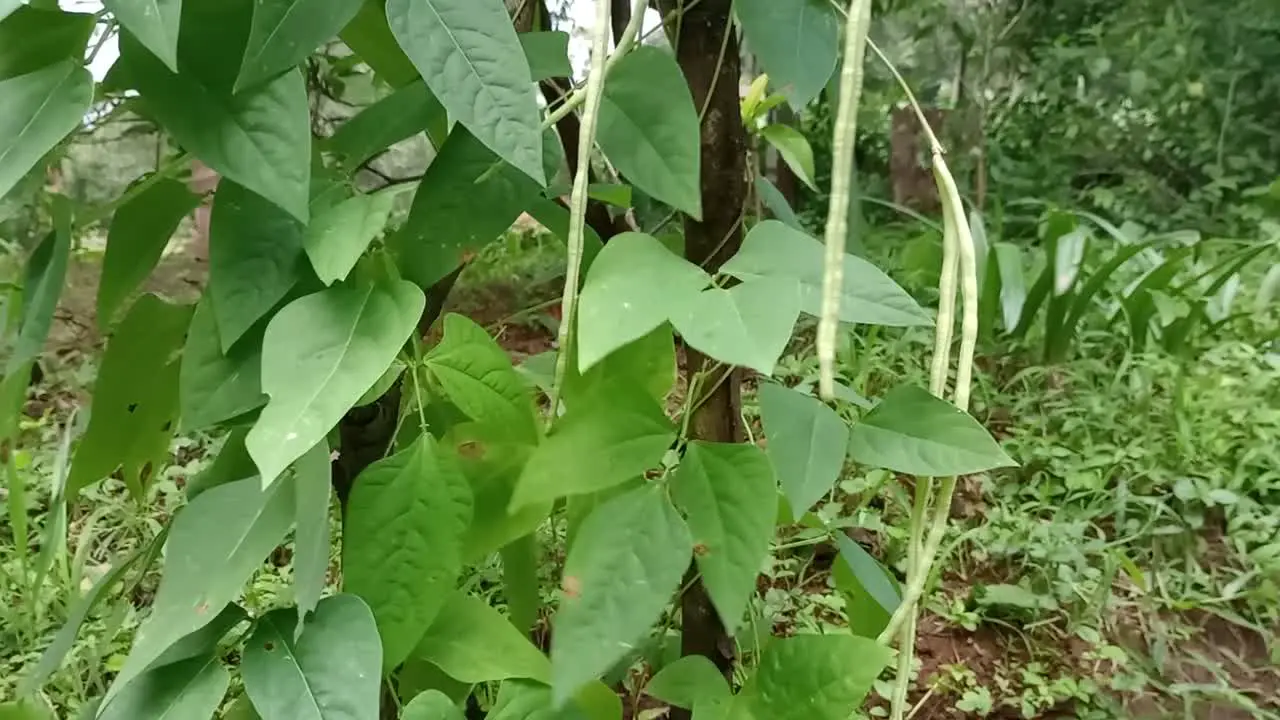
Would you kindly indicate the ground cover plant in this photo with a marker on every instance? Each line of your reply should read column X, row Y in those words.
column 482, row 391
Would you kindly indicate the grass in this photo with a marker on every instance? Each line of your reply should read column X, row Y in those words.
column 1129, row 567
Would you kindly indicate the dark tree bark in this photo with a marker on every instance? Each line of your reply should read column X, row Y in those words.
column 709, row 242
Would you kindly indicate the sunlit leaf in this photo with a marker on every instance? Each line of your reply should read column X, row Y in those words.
column 332, row 671
column 648, row 128
column 319, row 355
column 135, row 398
column 806, row 444
column 911, row 431
column 620, row 573
column 730, row 498
column 402, row 541
column 469, row 55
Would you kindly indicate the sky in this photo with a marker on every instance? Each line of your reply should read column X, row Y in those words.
column 582, row 13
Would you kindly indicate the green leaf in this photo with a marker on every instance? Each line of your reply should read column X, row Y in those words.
column 648, row 128
column 135, row 398
column 648, row 363
column 399, row 116
column 431, row 705
column 794, row 149
column 154, row 23
column 284, row 33
column 632, row 288
column 547, row 53
column 797, row 43
column 319, row 355
column 687, row 682
column 44, row 276
column 730, row 499
column 255, row 258
column 332, row 671
column 870, row 594
column 526, row 700
column 189, row 689
column 619, row 575
column 339, row 235
column 611, row 193
column 418, row 676
column 313, row 477
column 469, row 55
column 369, row 36
column 749, row 324
column 32, row 39
column 402, row 541
column 777, row 203
column 476, row 374
column 24, row 710
column 913, row 432
column 232, row 463
column 1013, row 284
column 520, row 585
column 218, row 540
column 472, row 642
column 493, row 469
column 39, row 110
column 260, row 139
column 806, row 444
column 140, row 230
column 814, row 677
column 868, row 296
column 213, row 387
column 600, row 442
column 467, row 199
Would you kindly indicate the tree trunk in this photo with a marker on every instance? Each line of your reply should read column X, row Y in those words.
column 709, row 242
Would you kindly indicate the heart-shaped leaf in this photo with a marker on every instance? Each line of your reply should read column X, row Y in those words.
column 472, row 642
column 806, row 444
column 648, row 128
column 797, row 43
column 477, row 376
column 332, row 671
column 813, row 677
column 912, row 431
column 625, row 563
column 469, row 55
column 730, row 499
column 319, row 355
column 749, row 324
column 402, row 541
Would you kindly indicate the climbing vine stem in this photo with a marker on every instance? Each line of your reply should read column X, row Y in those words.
column 578, row 198
column 846, row 131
